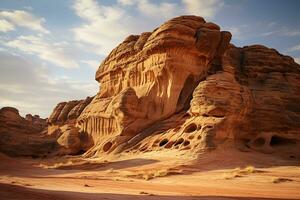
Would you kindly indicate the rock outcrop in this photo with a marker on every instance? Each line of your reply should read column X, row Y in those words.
column 149, row 78
column 61, row 124
column 23, row 136
column 184, row 86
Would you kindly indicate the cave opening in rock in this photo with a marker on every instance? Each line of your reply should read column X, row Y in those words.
column 186, row 143
column 169, row 145
column 190, row 128
column 163, row 142
column 277, row 140
column 107, row 146
column 80, row 152
column 186, row 93
column 178, row 142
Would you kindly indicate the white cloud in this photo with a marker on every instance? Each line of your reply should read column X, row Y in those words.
column 167, row 9
column 24, row 19
column 271, row 24
column 104, row 26
column 297, row 60
column 295, row 32
column 31, row 88
column 204, row 8
column 127, row 2
column 294, row 48
column 235, row 31
column 161, row 10
column 5, row 26
column 45, row 50
column 283, row 31
column 91, row 63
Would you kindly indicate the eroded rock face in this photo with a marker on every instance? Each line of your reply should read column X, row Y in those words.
column 65, row 111
column 149, row 78
column 23, row 136
column 61, row 125
column 73, row 142
column 273, row 117
column 183, row 86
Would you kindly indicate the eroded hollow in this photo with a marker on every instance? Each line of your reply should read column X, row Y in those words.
column 277, row 141
column 80, row 152
column 190, row 128
column 107, row 146
column 186, row 143
column 178, row 142
column 163, row 142
column 169, row 145
column 186, row 93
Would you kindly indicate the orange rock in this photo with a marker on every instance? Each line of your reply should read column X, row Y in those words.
column 151, row 77
column 183, row 87
column 23, row 136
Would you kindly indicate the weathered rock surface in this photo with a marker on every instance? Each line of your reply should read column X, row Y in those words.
column 183, row 86
column 23, row 136
column 61, row 124
column 147, row 79
column 65, row 111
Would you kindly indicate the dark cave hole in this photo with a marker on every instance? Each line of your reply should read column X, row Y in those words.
column 186, row 93
column 276, row 141
column 190, row 128
column 169, row 145
column 107, row 146
column 163, row 142
column 186, row 143
column 81, row 152
column 178, row 142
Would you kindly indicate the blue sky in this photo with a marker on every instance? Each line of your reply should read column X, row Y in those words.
column 50, row 49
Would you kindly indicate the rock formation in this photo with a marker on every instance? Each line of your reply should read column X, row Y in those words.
column 23, row 136
column 184, row 87
column 61, row 124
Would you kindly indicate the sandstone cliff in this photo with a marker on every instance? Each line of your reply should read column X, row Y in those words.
column 61, row 124
column 23, row 136
column 184, row 86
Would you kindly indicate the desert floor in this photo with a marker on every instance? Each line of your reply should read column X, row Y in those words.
column 219, row 174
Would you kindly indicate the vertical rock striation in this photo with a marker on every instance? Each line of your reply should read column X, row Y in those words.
column 183, row 87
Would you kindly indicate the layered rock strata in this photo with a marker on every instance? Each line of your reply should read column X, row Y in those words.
column 184, row 86
column 23, row 136
column 61, row 124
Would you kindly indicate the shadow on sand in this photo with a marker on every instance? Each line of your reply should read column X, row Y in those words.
column 104, row 166
column 14, row 192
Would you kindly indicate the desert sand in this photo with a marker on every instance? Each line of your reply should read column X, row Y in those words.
column 224, row 173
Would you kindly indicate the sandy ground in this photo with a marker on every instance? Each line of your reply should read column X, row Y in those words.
column 154, row 175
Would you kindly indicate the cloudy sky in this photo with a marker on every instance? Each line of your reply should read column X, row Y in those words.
column 50, row 49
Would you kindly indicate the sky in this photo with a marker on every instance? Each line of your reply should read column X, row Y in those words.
column 51, row 49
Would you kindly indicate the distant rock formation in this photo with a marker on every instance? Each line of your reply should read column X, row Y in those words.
column 10, row 120
column 23, row 136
